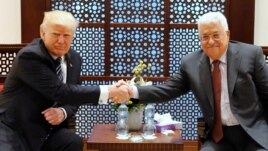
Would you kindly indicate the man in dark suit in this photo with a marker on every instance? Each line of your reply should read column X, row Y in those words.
column 242, row 88
column 34, row 103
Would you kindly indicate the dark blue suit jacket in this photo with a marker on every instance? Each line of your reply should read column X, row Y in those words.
column 31, row 87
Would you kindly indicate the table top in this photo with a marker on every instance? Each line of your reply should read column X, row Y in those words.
column 105, row 133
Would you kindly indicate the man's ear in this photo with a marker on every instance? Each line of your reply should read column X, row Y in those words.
column 228, row 33
column 42, row 34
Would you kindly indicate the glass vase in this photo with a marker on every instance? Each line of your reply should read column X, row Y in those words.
column 135, row 118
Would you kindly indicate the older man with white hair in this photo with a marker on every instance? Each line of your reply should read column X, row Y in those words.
column 229, row 80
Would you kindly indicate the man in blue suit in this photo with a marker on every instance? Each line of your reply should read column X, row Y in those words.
column 34, row 103
column 242, row 87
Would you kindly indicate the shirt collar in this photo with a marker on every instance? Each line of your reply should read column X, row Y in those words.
column 222, row 58
column 55, row 57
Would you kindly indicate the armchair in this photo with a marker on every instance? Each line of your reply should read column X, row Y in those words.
column 201, row 126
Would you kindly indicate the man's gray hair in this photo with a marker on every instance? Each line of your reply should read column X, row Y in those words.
column 213, row 17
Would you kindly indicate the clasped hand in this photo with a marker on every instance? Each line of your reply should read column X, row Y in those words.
column 120, row 92
column 54, row 116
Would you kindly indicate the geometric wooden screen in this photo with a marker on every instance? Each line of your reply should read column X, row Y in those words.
column 129, row 45
column 188, row 11
column 182, row 42
column 89, row 42
column 7, row 56
column 6, row 60
column 126, row 31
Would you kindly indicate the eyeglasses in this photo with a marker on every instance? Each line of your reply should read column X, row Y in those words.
column 205, row 38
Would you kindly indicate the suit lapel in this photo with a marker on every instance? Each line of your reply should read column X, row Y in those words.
column 69, row 67
column 233, row 62
column 44, row 52
column 205, row 77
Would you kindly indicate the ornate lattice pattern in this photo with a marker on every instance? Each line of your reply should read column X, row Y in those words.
column 183, row 109
column 6, row 60
column 135, row 11
column 83, row 10
column 90, row 115
column 89, row 42
column 182, row 11
column 129, row 45
column 182, row 42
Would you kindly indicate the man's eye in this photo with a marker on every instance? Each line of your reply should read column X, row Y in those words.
column 55, row 34
column 216, row 36
column 205, row 37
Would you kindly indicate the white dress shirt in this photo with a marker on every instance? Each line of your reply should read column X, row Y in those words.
column 227, row 117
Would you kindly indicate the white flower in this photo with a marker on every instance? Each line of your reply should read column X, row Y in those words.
column 141, row 82
column 137, row 80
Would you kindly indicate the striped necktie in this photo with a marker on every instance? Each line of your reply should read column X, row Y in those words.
column 58, row 69
column 59, row 74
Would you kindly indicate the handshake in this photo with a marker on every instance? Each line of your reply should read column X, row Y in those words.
column 120, row 92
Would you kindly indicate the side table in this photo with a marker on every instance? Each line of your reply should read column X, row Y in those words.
column 103, row 138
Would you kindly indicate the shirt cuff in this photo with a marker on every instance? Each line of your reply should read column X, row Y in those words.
column 104, row 94
column 135, row 92
column 64, row 113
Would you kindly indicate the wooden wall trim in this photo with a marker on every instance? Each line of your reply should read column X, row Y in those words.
column 241, row 20
column 111, row 78
column 32, row 12
column 107, row 40
column 106, row 78
column 265, row 50
column 11, row 47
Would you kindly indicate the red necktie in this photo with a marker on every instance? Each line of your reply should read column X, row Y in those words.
column 217, row 133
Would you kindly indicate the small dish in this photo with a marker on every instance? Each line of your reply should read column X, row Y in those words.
column 136, row 138
column 149, row 137
column 122, row 136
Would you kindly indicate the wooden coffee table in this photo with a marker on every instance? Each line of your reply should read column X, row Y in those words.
column 103, row 138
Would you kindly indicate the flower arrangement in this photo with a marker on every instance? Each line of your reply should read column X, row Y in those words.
column 137, row 80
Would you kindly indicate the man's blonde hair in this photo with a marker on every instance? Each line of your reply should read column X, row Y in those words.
column 59, row 17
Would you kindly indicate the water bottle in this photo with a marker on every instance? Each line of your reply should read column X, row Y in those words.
column 122, row 112
column 149, row 126
column 121, row 125
column 122, row 129
column 149, row 129
column 149, row 113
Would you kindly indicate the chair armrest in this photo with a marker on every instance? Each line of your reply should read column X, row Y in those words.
column 201, row 127
column 71, row 123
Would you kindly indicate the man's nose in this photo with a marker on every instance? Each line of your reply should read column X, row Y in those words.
column 61, row 39
column 211, row 40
